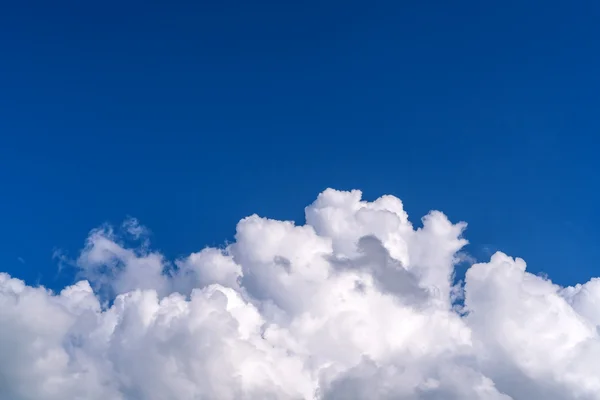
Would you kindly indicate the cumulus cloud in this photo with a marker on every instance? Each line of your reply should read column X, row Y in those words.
column 355, row 304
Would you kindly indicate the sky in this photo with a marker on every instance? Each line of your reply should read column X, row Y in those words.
column 192, row 115
column 133, row 135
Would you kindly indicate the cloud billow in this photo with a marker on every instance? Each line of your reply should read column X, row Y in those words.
column 355, row 304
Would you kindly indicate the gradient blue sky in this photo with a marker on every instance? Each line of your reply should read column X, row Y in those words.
column 192, row 115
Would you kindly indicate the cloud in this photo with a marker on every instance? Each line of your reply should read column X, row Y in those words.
column 133, row 227
column 355, row 304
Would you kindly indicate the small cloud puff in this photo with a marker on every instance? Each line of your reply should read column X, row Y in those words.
column 355, row 304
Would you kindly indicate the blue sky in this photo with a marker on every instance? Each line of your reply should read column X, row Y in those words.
column 192, row 115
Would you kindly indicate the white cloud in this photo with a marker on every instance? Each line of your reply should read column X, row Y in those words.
column 356, row 304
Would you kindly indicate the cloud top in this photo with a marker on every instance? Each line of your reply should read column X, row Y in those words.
column 355, row 304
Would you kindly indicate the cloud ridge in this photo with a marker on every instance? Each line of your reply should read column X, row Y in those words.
column 355, row 304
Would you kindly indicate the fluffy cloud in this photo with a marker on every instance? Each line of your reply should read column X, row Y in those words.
column 356, row 304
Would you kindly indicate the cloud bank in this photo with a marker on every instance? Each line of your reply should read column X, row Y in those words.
column 355, row 304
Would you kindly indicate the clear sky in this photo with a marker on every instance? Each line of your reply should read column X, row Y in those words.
column 192, row 115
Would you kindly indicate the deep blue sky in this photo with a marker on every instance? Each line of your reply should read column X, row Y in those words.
column 192, row 115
